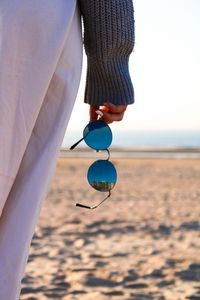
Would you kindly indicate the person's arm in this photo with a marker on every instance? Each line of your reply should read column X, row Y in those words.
column 109, row 38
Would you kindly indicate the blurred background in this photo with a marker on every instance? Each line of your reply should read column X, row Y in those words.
column 164, row 68
column 144, row 242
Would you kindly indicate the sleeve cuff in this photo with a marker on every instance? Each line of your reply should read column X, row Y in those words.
column 108, row 81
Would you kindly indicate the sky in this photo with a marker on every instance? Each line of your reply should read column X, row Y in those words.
column 164, row 68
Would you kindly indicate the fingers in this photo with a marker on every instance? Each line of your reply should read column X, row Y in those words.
column 116, row 108
column 111, row 112
column 110, row 117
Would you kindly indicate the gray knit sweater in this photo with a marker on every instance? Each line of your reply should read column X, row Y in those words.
column 109, row 38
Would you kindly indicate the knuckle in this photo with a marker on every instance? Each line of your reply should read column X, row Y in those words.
column 120, row 117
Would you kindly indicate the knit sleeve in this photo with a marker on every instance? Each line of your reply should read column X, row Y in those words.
column 109, row 38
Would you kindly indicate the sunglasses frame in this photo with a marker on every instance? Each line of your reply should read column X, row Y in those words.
column 109, row 192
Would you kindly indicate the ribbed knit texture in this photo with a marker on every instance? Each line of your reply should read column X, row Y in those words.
column 109, row 38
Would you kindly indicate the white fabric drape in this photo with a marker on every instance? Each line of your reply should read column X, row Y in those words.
column 40, row 70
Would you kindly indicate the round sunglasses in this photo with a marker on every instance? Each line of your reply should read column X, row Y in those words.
column 102, row 174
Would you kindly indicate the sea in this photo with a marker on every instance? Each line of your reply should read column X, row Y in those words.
column 144, row 139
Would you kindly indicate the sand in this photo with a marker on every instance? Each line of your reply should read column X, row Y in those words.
column 142, row 243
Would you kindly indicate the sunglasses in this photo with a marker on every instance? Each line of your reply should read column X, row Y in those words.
column 102, row 174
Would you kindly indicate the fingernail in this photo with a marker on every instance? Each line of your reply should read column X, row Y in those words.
column 99, row 112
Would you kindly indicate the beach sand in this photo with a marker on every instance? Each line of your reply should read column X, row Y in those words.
column 142, row 243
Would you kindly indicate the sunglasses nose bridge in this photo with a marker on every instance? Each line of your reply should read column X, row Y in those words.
column 107, row 150
column 108, row 154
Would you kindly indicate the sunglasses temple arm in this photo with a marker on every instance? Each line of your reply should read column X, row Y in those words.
column 84, row 206
column 73, row 146
column 95, row 206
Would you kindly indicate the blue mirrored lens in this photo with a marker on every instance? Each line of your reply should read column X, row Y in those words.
column 102, row 175
column 98, row 135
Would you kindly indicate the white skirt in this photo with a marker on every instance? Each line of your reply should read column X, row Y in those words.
column 40, row 69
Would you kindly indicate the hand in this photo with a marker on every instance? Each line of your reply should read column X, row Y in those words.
column 111, row 112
